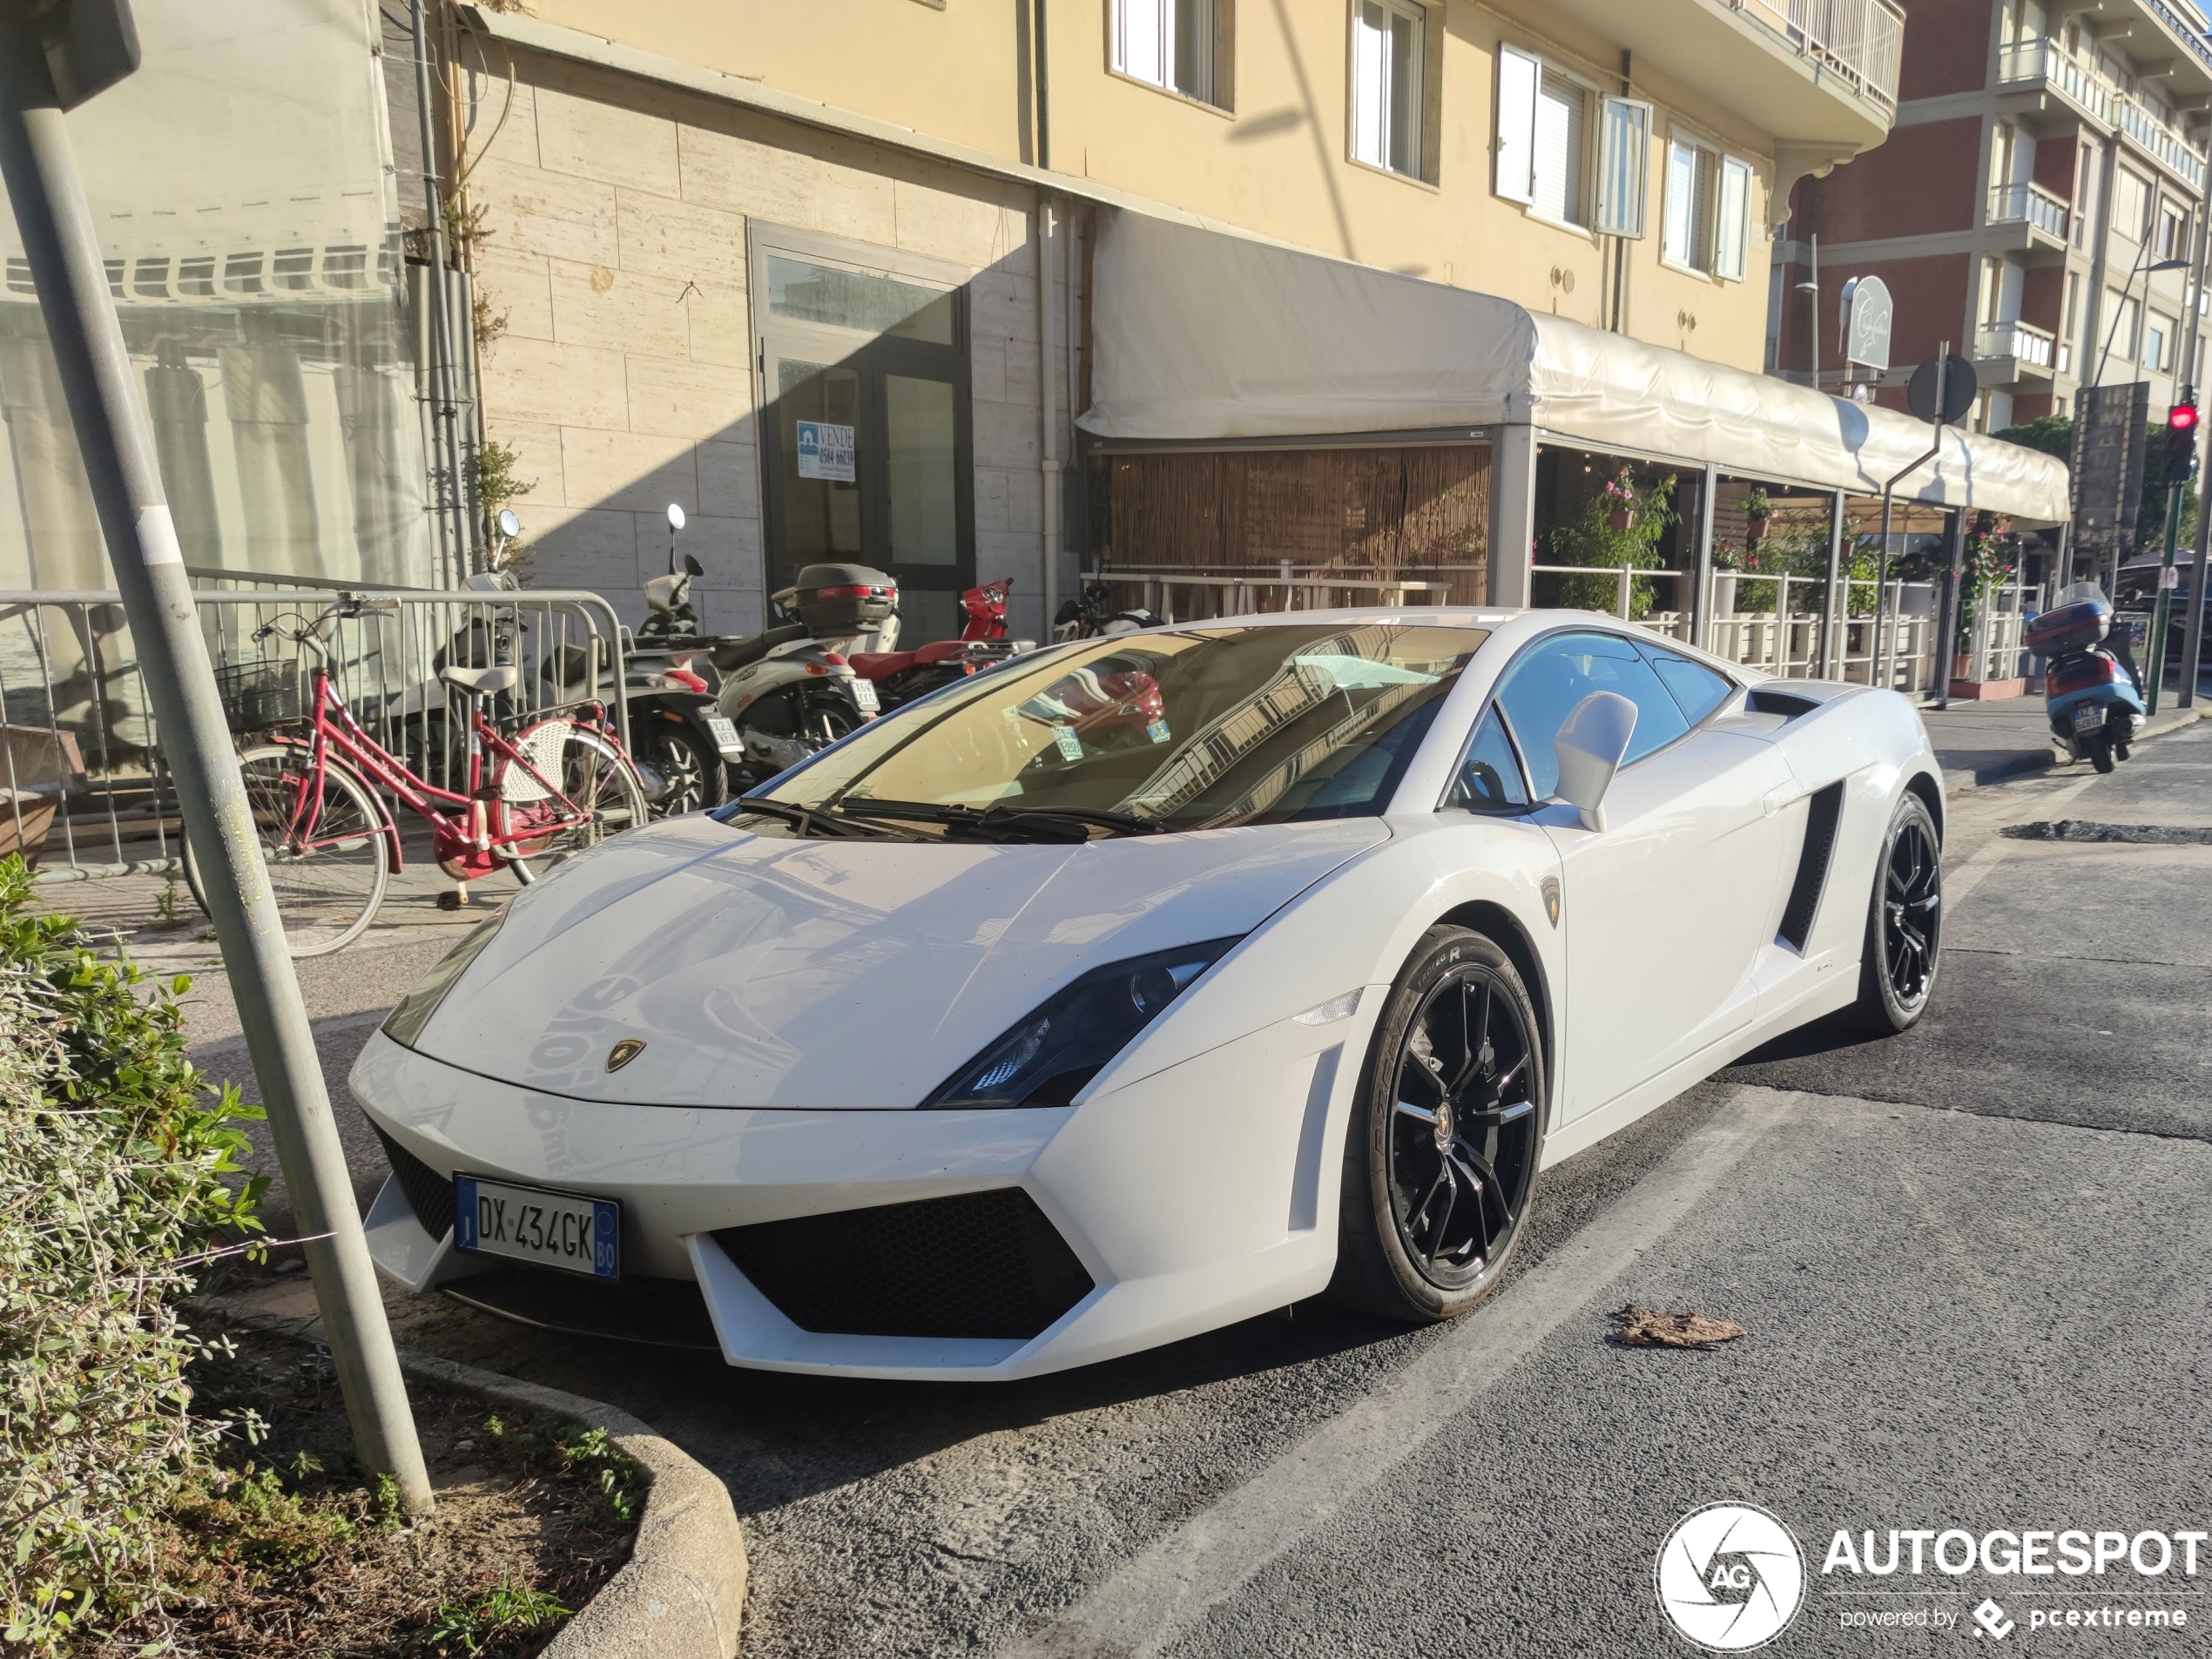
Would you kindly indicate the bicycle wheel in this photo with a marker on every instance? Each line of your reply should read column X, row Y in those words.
column 592, row 773
column 327, row 877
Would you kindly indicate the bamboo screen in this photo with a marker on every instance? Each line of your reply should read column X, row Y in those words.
column 1414, row 513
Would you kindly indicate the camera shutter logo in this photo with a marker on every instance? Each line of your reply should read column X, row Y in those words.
column 1730, row 1577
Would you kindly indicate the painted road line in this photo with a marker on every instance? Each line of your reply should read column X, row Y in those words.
column 1175, row 1581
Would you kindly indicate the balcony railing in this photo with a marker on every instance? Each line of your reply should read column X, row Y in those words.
column 2168, row 147
column 1861, row 41
column 2032, row 205
column 2022, row 341
column 2041, row 60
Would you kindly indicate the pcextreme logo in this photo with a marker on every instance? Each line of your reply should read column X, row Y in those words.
column 1730, row 1577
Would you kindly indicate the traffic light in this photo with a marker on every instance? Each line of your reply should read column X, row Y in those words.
column 2180, row 442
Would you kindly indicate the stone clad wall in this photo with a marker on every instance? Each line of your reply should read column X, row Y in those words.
column 614, row 216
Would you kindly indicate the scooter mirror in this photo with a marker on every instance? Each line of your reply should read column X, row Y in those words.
column 675, row 516
column 693, row 565
column 510, row 526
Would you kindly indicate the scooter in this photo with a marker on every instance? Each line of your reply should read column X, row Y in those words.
column 1091, row 614
column 900, row 677
column 2092, row 698
column 790, row 691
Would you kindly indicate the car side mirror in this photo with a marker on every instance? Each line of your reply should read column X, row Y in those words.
column 1589, row 748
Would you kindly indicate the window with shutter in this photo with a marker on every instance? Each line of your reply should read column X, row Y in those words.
column 1518, row 77
column 1680, row 241
column 1624, row 161
column 1387, row 84
column 1167, row 42
column 1732, row 226
column 1559, row 105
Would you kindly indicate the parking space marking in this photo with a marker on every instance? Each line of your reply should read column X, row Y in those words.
column 1148, row 1602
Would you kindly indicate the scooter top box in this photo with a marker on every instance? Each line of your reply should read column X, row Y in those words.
column 2074, row 627
column 835, row 598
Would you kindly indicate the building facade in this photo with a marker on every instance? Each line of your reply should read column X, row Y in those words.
column 2038, row 206
column 823, row 276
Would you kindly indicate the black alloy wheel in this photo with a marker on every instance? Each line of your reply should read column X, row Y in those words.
column 1904, row 944
column 1438, row 1166
column 697, row 780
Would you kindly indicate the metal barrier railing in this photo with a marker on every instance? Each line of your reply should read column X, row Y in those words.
column 84, row 792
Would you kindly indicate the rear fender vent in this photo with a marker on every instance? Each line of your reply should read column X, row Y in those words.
column 1821, row 815
column 427, row 1193
column 985, row 1264
column 1785, row 703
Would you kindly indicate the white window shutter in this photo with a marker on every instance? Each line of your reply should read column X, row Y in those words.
column 1623, row 166
column 1371, row 87
column 1519, row 76
column 1560, row 116
column 1733, row 225
column 1680, row 243
column 1142, row 43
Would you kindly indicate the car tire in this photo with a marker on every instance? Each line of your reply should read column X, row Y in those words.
column 1902, row 953
column 1442, row 1119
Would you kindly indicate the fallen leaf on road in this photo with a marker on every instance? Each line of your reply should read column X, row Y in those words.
column 1644, row 1328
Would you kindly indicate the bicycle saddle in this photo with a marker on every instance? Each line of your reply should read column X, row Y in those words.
column 490, row 682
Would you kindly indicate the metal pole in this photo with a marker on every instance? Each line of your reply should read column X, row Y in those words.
column 1701, row 592
column 1048, row 416
column 2163, row 607
column 2193, row 652
column 63, row 250
column 1889, row 486
column 448, row 413
column 1830, row 627
column 1947, row 611
column 1884, row 665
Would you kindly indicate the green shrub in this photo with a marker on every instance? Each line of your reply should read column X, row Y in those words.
column 114, row 1152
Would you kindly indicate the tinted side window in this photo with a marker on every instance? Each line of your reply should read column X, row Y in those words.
column 1490, row 780
column 1542, row 689
column 1696, row 687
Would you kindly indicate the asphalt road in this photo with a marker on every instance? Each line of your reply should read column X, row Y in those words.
column 1967, row 1259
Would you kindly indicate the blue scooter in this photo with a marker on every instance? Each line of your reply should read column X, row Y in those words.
column 2091, row 695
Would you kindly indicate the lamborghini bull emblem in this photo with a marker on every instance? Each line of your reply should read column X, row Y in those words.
column 623, row 1052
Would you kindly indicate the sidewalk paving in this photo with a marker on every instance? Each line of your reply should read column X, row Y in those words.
column 1980, row 743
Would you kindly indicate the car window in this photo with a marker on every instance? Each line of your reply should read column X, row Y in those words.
column 1698, row 689
column 1542, row 687
column 1490, row 779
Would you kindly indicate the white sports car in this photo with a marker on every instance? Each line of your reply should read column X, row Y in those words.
column 1146, row 984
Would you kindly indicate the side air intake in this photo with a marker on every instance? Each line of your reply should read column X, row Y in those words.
column 1821, row 815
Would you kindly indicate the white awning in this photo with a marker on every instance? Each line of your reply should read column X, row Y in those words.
column 1206, row 335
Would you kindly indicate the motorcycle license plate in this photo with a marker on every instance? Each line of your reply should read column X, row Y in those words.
column 864, row 694
column 534, row 1224
column 2088, row 717
column 726, row 735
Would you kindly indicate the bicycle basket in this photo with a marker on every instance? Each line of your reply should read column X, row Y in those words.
column 256, row 696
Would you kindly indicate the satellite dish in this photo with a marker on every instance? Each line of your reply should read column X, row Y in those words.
column 675, row 516
column 1959, row 387
column 510, row 526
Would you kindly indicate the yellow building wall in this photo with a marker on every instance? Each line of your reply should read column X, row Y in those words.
column 1279, row 163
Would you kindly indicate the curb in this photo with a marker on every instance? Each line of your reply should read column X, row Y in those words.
column 681, row 1595
column 1960, row 778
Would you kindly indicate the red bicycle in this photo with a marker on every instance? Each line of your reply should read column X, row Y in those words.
column 557, row 785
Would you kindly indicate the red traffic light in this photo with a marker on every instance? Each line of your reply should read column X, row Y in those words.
column 2182, row 417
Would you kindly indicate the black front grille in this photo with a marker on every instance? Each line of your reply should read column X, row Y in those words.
column 428, row 1194
column 982, row 1265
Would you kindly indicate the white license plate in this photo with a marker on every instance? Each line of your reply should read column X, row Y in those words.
column 2088, row 717
column 864, row 694
column 726, row 735
column 533, row 1224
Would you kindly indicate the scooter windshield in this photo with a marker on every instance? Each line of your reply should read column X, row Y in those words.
column 1177, row 729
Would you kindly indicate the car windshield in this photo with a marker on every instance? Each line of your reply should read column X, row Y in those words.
column 1177, row 729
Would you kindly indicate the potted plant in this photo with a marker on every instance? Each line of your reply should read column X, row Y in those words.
column 1757, row 510
column 1621, row 502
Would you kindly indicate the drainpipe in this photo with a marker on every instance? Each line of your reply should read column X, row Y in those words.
column 1048, row 413
column 448, row 411
column 1044, row 91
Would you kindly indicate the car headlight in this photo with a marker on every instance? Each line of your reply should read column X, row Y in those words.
column 405, row 1023
column 1070, row 1038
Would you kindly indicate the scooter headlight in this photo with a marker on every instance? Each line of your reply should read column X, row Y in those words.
column 1072, row 1036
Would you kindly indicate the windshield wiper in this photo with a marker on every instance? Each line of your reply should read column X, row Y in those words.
column 1070, row 823
column 812, row 820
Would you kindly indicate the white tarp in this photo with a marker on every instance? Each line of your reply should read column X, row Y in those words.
column 1203, row 335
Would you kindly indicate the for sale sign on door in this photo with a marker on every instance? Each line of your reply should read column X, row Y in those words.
column 825, row 451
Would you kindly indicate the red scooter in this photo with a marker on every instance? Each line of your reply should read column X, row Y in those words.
column 900, row 677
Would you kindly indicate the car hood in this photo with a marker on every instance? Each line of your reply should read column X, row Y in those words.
column 767, row 971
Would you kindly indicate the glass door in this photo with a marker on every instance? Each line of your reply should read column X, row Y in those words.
column 867, row 455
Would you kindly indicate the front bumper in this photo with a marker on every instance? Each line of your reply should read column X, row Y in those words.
column 1191, row 1198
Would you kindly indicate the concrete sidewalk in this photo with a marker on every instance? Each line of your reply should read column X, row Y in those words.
column 1980, row 743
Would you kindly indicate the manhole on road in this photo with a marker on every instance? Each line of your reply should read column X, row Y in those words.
column 2079, row 829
